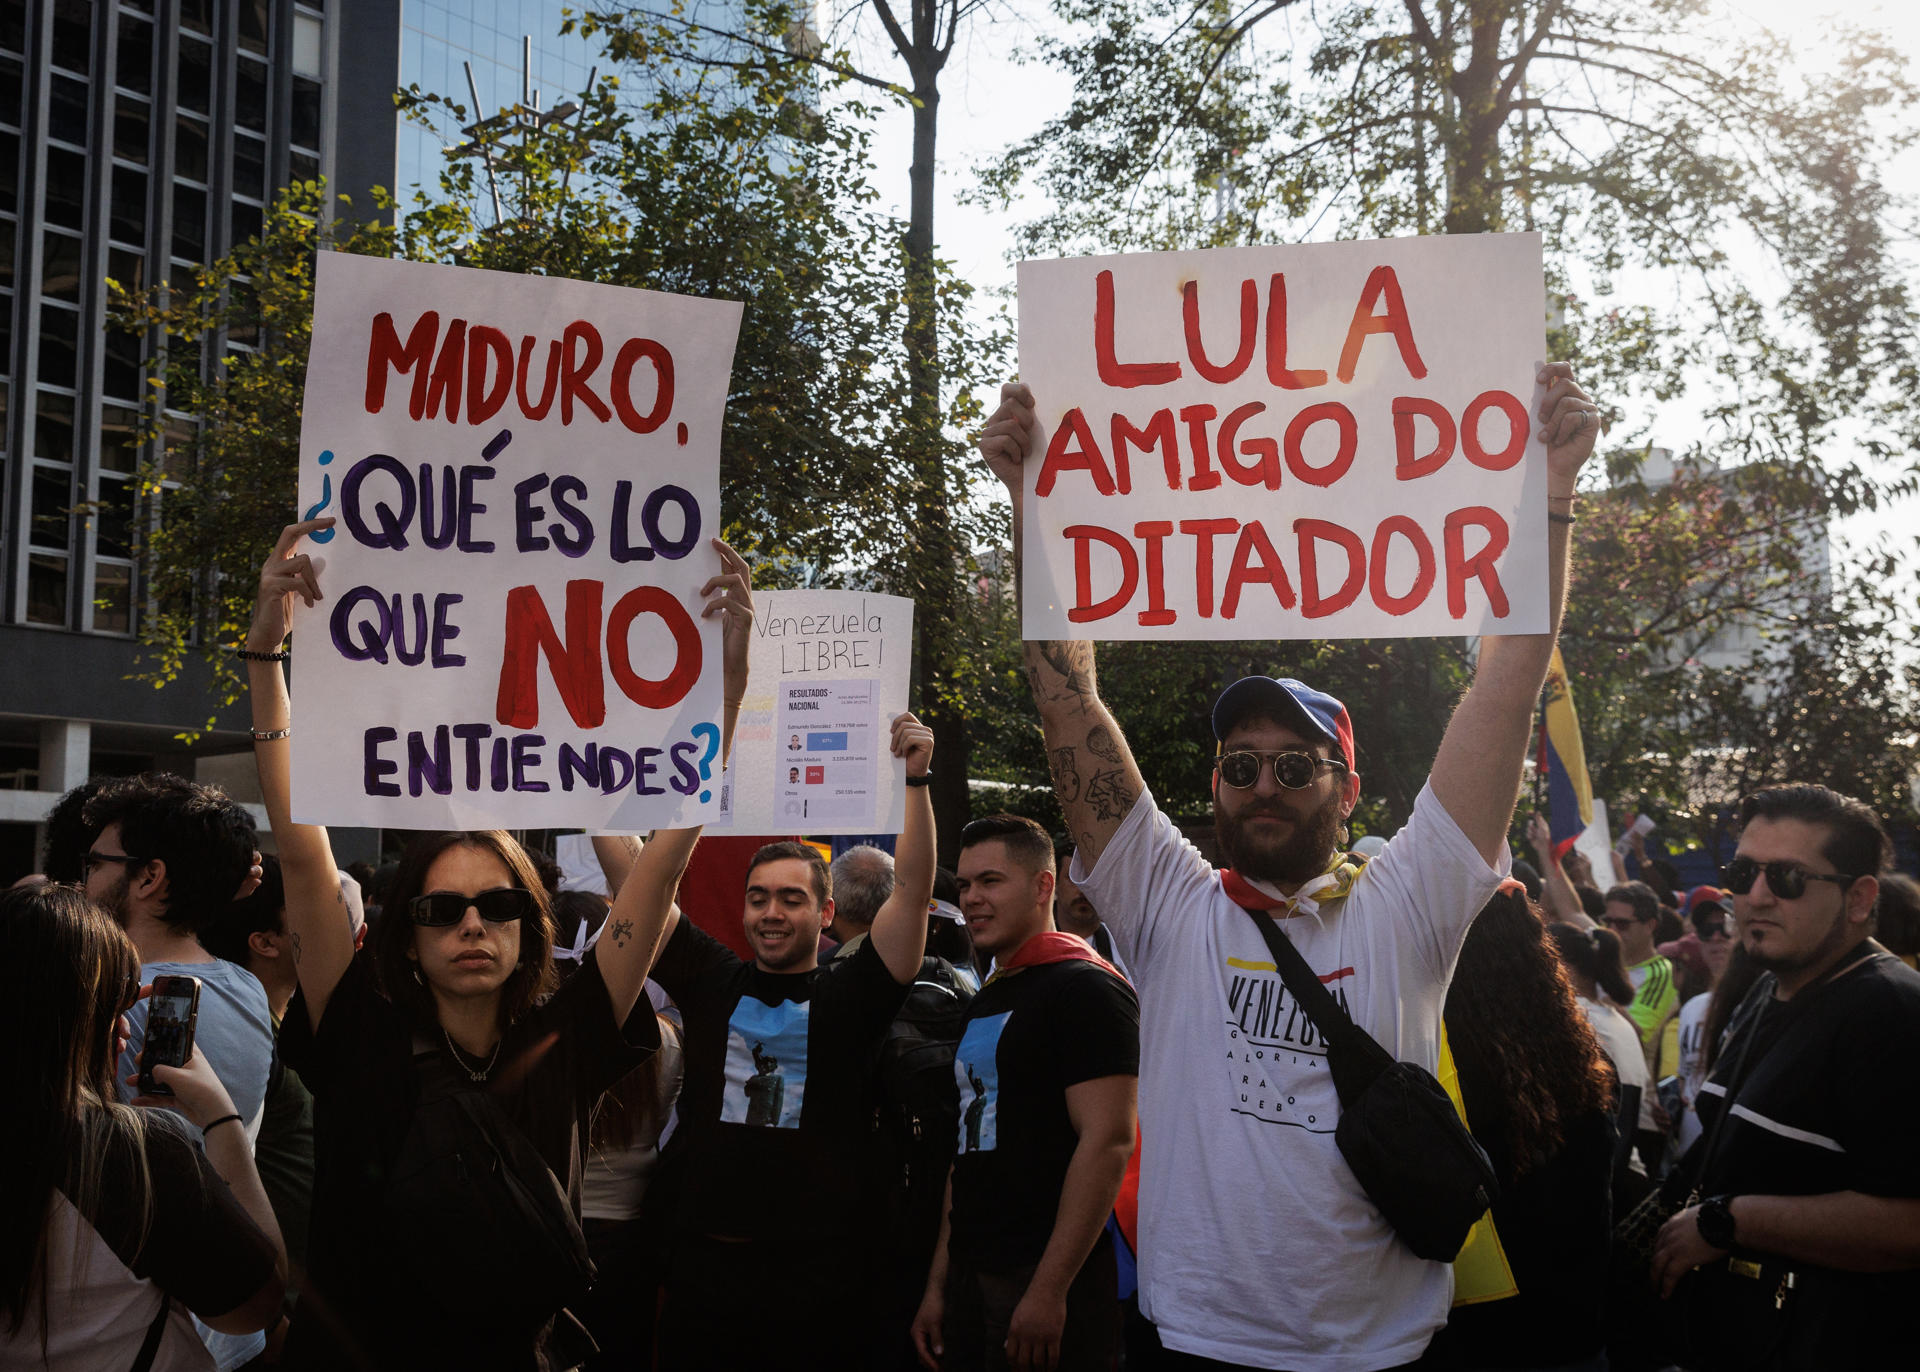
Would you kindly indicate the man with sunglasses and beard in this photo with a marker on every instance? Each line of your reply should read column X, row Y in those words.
column 1258, row 1247
column 1805, row 1251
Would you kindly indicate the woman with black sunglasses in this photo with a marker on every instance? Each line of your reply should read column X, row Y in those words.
column 453, row 1084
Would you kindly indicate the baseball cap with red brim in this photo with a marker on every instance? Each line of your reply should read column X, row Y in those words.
column 1311, row 713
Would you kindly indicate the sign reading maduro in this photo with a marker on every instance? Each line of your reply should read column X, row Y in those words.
column 524, row 474
column 1328, row 441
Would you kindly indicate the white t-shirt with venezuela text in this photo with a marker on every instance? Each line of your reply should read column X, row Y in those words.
column 1257, row 1245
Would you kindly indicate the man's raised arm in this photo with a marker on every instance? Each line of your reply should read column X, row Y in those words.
column 1476, row 774
column 1094, row 776
column 899, row 933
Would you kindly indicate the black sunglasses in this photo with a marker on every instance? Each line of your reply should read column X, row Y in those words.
column 93, row 860
column 503, row 905
column 1787, row 880
column 1294, row 770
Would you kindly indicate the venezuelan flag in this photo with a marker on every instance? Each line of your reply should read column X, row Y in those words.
column 1563, row 760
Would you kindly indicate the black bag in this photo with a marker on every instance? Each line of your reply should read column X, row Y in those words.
column 478, row 1220
column 1398, row 1130
column 918, row 1105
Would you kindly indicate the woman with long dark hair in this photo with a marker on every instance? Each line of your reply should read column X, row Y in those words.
column 117, row 1225
column 1594, row 965
column 453, row 1083
column 1538, row 1097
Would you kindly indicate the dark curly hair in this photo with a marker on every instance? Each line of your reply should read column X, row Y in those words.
column 1528, row 1061
column 203, row 837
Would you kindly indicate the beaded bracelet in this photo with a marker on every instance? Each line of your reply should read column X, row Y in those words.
column 249, row 655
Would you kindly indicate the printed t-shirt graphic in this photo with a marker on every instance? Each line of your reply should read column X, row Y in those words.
column 1031, row 1036
column 1268, row 1032
column 976, row 1068
column 777, row 1085
column 1257, row 1244
column 766, row 1063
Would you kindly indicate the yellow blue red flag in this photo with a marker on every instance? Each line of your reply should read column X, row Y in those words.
column 1563, row 761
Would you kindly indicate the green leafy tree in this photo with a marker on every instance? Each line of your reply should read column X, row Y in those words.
column 228, row 371
column 943, row 364
column 1645, row 142
column 747, row 188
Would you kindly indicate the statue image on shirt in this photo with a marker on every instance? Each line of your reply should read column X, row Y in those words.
column 765, row 1088
column 976, row 1109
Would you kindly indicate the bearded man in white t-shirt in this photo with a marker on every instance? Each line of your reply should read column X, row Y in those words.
column 1258, row 1247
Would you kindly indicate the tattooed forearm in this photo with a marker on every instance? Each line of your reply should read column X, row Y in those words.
column 1070, row 663
column 1111, row 794
column 1066, row 774
column 622, row 931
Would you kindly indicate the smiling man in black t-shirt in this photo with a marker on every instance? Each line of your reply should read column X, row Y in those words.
column 776, row 1104
column 1046, row 1069
column 1805, row 1253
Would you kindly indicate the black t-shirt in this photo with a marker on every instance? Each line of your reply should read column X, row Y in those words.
column 1829, row 1101
column 1030, row 1035
column 200, row 1247
column 1555, row 1225
column 554, row 1064
column 776, row 1102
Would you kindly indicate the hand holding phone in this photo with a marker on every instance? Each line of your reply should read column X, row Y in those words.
column 173, row 1009
column 193, row 1089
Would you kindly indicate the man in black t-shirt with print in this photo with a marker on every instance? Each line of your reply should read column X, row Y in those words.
column 1046, row 1070
column 776, row 1103
column 1805, row 1253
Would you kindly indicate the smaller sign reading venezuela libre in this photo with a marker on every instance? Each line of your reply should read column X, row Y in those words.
column 525, row 477
column 1323, row 441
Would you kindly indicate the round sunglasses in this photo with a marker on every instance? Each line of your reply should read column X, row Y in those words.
column 1787, row 880
column 1293, row 769
column 502, row 905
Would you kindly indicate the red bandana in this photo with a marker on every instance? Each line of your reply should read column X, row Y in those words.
column 1054, row 946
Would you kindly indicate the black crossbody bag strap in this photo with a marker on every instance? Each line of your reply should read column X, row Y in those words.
column 1352, row 1054
column 150, row 1348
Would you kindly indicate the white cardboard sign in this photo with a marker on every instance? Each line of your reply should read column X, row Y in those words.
column 829, row 672
column 1334, row 440
column 526, row 475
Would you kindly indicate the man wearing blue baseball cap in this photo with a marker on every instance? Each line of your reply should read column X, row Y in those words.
column 1258, row 1247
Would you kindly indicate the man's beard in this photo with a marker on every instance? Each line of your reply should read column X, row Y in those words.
column 1300, row 857
column 114, row 900
column 1826, row 948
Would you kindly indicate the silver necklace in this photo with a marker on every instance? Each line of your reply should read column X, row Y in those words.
column 460, row 1059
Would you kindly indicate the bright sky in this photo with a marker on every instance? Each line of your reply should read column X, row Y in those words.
column 990, row 101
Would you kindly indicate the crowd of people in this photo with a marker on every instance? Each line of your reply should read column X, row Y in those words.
column 1463, row 1111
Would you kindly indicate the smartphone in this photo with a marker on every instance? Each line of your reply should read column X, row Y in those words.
column 172, row 1008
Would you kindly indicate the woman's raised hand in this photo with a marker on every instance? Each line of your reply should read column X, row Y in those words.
column 283, row 575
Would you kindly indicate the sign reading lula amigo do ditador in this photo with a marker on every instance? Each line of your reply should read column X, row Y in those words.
column 1327, row 441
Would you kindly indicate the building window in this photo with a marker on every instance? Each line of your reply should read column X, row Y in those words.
column 73, row 35
column 133, row 62
column 46, row 589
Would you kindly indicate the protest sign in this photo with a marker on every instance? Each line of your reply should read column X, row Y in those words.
column 829, row 671
column 525, row 474
column 1325, row 441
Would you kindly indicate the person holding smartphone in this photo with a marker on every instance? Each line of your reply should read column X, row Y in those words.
column 451, row 1014
column 120, row 1222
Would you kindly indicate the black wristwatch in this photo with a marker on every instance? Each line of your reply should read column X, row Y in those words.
column 1715, row 1219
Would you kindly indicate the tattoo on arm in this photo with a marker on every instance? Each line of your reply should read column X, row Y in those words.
column 1066, row 774
column 294, row 939
column 1102, row 744
column 1072, row 661
column 1110, row 794
column 622, row 931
